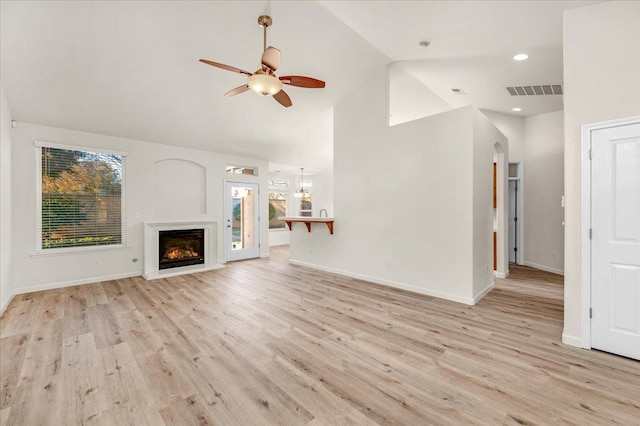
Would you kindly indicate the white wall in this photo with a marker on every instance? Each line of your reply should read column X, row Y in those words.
column 279, row 237
column 543, row 189
column 6, row 284
column 403, row 199
column 513, row 128
column 322, row 191
column 485, row 136
column 409, row 99
column 602, row 82
column 35, row 272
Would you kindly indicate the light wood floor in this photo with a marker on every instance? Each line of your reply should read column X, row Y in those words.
column 263, row 342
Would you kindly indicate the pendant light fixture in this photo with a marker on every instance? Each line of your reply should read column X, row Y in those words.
column 302, row 191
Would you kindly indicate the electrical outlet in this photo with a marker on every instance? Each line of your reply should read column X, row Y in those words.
column 387, row 265
column 97, row 261
column 555, row 255
column 311, row 252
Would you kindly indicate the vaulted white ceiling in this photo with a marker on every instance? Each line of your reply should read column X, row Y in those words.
column 472, row 46
column 131, row 69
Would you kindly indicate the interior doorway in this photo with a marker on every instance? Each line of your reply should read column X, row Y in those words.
column 513, row 221
column 500, row 212
column 242, row 220
column 516, row 213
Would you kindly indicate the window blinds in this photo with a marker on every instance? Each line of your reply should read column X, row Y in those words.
column 81, row 198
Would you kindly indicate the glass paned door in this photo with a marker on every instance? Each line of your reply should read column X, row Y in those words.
column 242, row 222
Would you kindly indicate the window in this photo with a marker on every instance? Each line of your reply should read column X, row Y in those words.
column 279, row 183
column 306, row 205
column 242, row 170
column 80, row 198
column 277, row 208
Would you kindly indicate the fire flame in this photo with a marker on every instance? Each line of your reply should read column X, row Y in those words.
column 179, row 253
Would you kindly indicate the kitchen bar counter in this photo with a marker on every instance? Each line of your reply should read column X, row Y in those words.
column 289, row 220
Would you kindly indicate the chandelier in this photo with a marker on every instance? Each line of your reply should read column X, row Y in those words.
column 302, row 191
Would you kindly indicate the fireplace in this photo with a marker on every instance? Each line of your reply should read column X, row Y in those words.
column 157, row 235
column 182, row 247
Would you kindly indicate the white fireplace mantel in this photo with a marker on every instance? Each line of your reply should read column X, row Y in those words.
column 151, row 240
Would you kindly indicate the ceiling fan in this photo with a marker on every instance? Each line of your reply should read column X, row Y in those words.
column 264, row 80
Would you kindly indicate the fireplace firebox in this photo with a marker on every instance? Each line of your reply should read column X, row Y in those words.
column 182, row 247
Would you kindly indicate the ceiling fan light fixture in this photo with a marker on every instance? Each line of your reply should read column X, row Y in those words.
column 264, row 84
column 264, row 81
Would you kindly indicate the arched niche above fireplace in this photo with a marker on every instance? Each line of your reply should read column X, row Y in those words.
column 179, row 188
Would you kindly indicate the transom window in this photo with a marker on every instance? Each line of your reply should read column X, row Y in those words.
column 279, row 183
column 242, row 170
column 80, row 197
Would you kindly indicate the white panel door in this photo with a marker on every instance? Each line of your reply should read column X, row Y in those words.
column 615, row 246
column 242, row 220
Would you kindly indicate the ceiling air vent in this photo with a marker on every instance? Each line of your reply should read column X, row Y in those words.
column 458, row 91
column 537, row 90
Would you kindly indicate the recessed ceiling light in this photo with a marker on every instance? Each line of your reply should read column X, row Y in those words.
column 516, row 109
column 521, row 57
column 424, row 43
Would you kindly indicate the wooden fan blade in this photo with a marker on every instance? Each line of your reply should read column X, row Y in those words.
column 301, row 81
column 271, row 58
column 237, row 90
column 283, row 99
column 225, row 67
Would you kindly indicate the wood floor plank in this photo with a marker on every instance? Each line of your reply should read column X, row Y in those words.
column 12, row 355
column 43, row 359
column 82, row 379
column 124, row 393
column 20, row 317
column 48, row 410
column 187, row 411
column 265, row 342
column 4, row 416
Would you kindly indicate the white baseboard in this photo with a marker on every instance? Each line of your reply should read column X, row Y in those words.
column 6, row 304
column 501, row 274
column 62, row 284
column 484, row 292
column 571, row 340
column 544, row 268
column 394, row 284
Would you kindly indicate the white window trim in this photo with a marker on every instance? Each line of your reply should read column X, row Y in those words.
column 38, row 145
